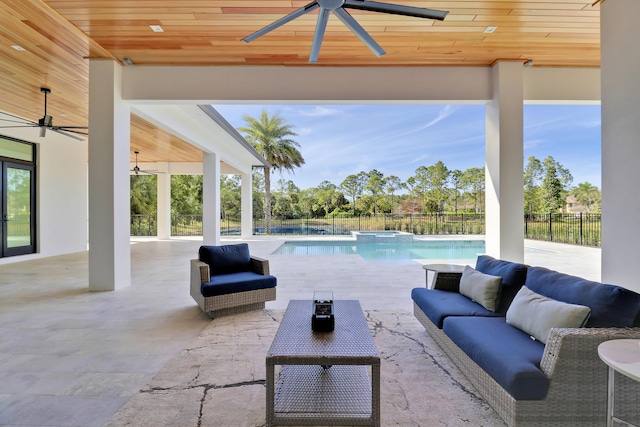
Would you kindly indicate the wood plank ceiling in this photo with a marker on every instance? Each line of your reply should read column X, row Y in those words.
column 58, row 35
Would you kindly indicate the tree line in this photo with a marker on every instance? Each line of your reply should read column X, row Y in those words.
column 431, row 189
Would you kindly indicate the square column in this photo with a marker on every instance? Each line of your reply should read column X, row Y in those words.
column 164, row 201
column 109, row 211
column 246, row 205
column 505, row 164
column 620, row 148
column 210, row 199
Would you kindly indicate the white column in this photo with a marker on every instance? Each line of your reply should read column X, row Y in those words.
column 246, row 204
column 164, row 202
column 504, row 169
column 211, row 199
column 109, row 212
column 620, row 62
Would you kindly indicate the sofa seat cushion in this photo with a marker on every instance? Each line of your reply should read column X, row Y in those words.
column 513, row 277
column 611, row 306
column 506, row 353
column 438, row 304
column 223, row 284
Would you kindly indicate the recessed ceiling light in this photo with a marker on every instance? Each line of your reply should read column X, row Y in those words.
column 156, row 28
column 17, row 47
column 490, row 29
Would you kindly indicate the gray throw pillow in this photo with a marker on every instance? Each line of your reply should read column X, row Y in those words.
column 536, row 314
column 480, row 287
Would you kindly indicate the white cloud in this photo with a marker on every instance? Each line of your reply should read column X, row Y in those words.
column 319, row 111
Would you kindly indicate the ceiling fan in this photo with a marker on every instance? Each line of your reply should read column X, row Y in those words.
column 137, row 170
column 46, row 122
column 338, row 7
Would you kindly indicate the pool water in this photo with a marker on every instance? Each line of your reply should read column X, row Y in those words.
column 388, row 252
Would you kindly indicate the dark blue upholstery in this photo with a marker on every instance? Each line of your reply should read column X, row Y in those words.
column 226, row 259
column 438, row 304
column 223, row 284
column 611, row 306
column 507, row 354
column 513, row 277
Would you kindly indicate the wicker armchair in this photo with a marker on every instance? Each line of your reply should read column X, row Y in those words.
column 227, row 280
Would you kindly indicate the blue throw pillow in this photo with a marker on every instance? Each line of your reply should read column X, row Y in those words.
column 611, row 306
column 226, row 259
column 513, row 277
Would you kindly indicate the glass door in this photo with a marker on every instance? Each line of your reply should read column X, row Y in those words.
column 17, row 211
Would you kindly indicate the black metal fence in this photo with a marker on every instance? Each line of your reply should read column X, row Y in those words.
column 577, row 229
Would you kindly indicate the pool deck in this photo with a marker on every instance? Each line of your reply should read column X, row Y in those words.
column 71, row 357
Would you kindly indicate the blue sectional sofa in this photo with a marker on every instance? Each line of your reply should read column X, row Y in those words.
column 526, row 338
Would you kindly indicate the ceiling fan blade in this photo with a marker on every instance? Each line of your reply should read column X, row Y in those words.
column 22, row 120
column 357, row 29
column 61, row 132
column 72, row 129
column 321, row 26
column 280, row 22
column 396, row 9
column 19, row 126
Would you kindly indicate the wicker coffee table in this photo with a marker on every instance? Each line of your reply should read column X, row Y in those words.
column 328, row 378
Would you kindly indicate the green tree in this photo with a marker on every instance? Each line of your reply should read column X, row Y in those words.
column 375, row 186
column 271, row 137
column 352, row 186
column 533, row 175
column 437, row 179
column 554, row 184
column 143, row 191
column 186, row 194
column 473, row 180
column 325, row 196
column 230, row 196
column 588, row 195
column 456, row 181
column 392, row 184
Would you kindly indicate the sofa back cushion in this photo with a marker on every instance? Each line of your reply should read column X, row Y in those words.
column 481, row 288
column 513, row 277
column 611, row 306
column 536, row 314
column 226, row 259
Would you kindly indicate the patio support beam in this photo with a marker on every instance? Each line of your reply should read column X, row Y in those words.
column 210, row 199
column 164, row 201
column 246, row 205
column 109, row 124
column 620, row 149
column 504, row 163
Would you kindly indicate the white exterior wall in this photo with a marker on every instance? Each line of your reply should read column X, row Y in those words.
column 61, row 203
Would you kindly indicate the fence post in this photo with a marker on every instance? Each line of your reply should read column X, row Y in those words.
column 581, row 228
column 550, row 227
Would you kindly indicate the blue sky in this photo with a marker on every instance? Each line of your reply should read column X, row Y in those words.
column 339, row 140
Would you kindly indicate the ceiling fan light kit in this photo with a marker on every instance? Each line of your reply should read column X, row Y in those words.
column 338, row 7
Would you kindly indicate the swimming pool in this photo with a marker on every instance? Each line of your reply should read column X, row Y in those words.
column 388, row 252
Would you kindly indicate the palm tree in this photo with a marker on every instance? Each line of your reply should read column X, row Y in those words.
column 270, row 135
column 587, row 195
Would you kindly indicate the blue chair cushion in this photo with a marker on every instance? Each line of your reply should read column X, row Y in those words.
column 611, row 306
column 513, row 277
column 506, row 353
column 223, row 284
column 226, row 259
column 437, row 304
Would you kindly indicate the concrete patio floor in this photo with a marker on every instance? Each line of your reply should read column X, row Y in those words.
column 70, row 357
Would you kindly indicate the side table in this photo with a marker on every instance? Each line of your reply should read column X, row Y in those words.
column 445, row 276
column 623, row 356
